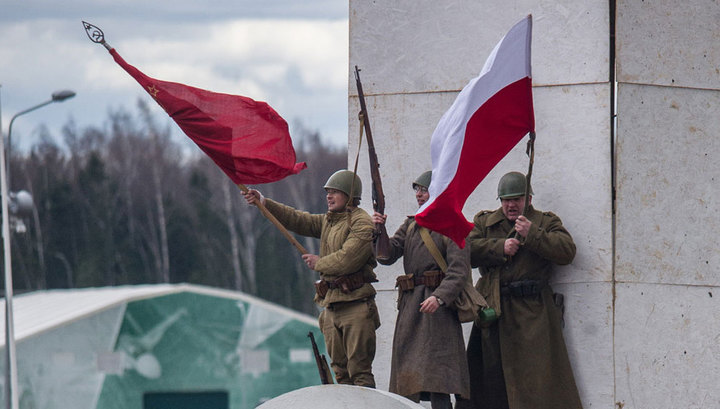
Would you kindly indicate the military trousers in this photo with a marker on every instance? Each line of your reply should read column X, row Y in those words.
column 349, row 331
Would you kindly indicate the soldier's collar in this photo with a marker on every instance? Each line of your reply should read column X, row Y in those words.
column 335, row 215
column 498, row 216
column 348, row 209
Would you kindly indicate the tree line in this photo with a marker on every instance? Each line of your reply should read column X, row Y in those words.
column 124, row 203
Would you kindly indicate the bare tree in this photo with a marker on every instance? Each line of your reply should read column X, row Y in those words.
column 234, row 240
column 119, row 205
column 156, row 160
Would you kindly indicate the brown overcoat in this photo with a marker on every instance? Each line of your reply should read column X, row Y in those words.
column 428, row 353
column 345, row 246
column 531, row 347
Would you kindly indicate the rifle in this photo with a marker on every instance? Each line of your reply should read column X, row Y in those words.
column 323, row 368
column 380, row 236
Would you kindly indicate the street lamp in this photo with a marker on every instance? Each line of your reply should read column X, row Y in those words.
column 11, row 385
column 57, row 96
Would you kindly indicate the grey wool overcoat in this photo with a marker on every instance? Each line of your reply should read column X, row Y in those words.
column 428, row 353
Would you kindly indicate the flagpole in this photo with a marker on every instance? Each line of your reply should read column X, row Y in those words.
column 276, row 222
column 530, row 151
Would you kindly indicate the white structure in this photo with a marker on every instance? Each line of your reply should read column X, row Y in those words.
column 641, row 201
column 339, row 396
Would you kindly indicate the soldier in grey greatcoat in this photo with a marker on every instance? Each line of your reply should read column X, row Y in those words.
column 428, row 354
column 520, row 361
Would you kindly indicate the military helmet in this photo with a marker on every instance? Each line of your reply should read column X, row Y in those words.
column 512, row 185
column 342, row 180
column 423, row 180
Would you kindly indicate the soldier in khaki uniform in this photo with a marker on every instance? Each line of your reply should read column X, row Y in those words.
column 345, row 263
column 520, row 361
column 428, row 354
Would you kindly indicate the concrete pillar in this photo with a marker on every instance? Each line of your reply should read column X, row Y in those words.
column 415, row 56
column 667, row 315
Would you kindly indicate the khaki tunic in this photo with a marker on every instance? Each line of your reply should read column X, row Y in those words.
column 528, row 341
column 428, row 352
column 344, row 248
column 348, row 321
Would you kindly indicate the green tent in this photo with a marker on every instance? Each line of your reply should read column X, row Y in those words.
column 158, row 346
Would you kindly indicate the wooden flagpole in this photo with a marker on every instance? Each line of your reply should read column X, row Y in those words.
column 530, row 151
column 276, row 222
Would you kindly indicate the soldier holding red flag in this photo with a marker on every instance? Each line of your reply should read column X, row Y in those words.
column 345, row 263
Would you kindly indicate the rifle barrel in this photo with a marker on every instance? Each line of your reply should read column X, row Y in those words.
column 382, row 241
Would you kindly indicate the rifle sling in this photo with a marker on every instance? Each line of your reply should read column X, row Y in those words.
column 433, row 249
column 357, row 157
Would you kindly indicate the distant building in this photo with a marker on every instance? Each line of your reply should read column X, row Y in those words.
column 158, row 346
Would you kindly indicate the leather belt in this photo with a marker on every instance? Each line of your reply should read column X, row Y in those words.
column 340, row 304
column 524, row 288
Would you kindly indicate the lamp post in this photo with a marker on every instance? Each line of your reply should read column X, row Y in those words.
column 11, row 386
column 57, row 96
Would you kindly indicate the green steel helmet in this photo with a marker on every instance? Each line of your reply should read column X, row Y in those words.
column 512, row 185
column 342, row 180
column 423, row 180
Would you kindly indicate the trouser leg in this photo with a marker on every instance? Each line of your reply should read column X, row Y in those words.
column 440, row 401
column 349, row 332
column 359, row 323
column 461, row 403
column 334, row 345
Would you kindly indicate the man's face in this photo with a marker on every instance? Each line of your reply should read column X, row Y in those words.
column 421, row 194
column 336, row 200
column 512, row 208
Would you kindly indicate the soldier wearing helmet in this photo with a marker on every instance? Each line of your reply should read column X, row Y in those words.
column 428, row 354
column 345, row 264
column 519, row 360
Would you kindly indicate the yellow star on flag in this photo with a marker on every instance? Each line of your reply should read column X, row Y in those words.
column 153, row 91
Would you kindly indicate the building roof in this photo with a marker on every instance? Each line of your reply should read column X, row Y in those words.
column 40, row 311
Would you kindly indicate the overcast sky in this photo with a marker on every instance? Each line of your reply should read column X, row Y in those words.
column 291, row 54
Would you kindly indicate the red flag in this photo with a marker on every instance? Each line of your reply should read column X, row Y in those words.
column 490, row 116
column 246, row 138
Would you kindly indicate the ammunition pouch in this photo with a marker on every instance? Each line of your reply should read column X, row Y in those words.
column 346, row 284
column 430, row 279
column 405, row 282
column 321, row 288
column 524, row 288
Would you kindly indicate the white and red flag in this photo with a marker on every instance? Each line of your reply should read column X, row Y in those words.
column 488, row 118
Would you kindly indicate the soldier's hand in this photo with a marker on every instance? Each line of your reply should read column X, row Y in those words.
column 430, row 305
column 522, row 225
column 310, row 260
column 378, row 218
column 253, row 196
column 511, row 247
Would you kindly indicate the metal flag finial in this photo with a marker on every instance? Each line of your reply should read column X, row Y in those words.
column 95, row 34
